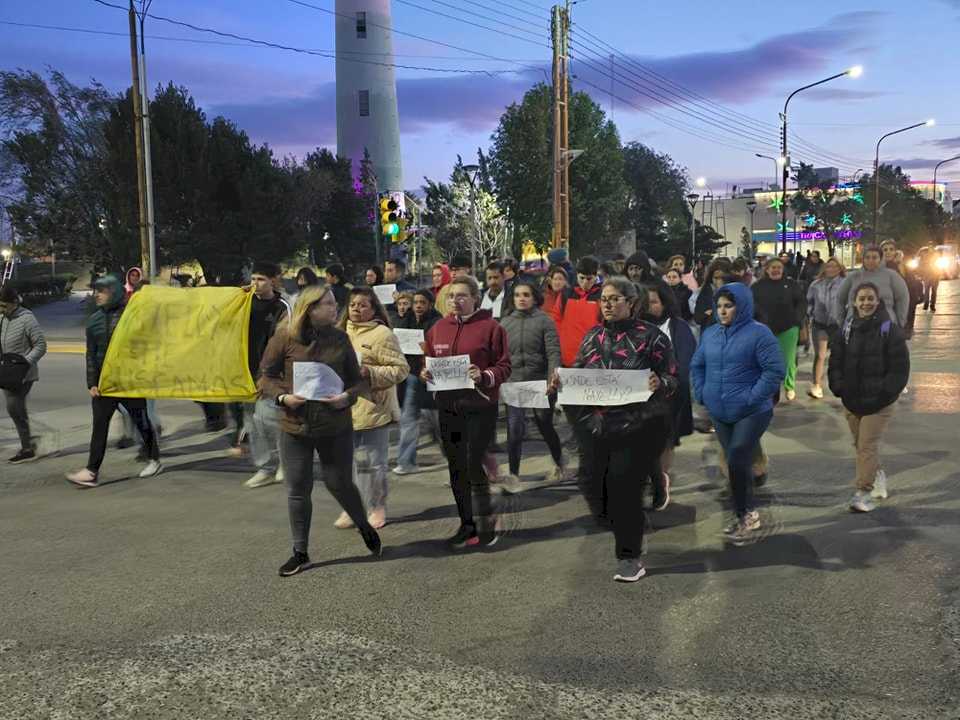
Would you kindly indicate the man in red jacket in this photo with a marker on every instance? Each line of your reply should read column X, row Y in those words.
column 576, row 311
column 468, row 418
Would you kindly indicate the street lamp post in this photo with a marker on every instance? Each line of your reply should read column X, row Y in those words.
column 777, row 162
column 876, row 174
column 853, row 72
column 692, row 199
column 752, row 207
column 936, row 168
column 471, row 171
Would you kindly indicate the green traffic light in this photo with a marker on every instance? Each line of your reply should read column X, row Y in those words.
column 391, row 229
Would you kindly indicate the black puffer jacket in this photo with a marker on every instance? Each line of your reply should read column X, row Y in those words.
column 869, row 363
column 779, row 304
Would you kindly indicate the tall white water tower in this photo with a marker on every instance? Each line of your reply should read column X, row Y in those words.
column 367, row 114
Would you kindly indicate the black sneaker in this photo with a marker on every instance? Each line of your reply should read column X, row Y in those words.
column 760, row 480
column 466, row 537
column 372, row 540
column 124, row 443
column 23, row 456
column 297, row 562
column 661, row 493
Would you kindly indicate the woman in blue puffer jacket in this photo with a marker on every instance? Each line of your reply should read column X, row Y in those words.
column 735, row 372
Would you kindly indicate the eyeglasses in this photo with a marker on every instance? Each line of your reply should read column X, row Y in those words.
column 611, row 299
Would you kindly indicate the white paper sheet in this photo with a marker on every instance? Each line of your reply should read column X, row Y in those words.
column 603, row 387
column 409, row 341
column 526, row 394
column 315, row 381
column 385, row 293
column 449, row 373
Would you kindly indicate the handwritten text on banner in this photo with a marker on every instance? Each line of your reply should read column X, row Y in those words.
column 603, row 387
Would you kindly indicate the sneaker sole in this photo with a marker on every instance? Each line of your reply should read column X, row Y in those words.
column 630, row 578
column 153, row 474
column 471, row 543
column 82, row 484
column 296, row 570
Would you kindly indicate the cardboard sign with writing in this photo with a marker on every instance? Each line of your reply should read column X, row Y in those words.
column 449, row 373
column 603, row 387
column 527, row 394
column 385, row 293
column 409, row 341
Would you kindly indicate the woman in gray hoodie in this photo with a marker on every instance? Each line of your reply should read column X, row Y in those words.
column 20, row 334
column 534, row 355
column 893, row 289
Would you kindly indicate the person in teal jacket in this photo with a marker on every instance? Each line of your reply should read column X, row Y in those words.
column 735, row 372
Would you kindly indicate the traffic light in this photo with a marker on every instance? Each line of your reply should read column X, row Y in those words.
column 402, row 233
column 388, row 217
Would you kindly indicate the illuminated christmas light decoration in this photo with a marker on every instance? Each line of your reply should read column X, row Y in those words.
column 846, row 219
column 776, row 203
column 810, row 220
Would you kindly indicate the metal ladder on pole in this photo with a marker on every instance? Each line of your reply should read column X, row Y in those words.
column 8, row 269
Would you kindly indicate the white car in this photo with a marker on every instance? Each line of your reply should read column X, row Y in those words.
column 947, row 261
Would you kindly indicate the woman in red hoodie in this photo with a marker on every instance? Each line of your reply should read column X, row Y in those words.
column 468, row 417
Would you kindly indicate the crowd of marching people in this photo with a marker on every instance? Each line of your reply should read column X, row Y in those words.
column 719, row 342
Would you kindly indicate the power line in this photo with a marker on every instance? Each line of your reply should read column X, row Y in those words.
column 691, row 96
column 544, row 13
column 487, row 17
column 304, row 51
column 317, row 8
column 199, row 41
column 533, row 5
column 478, row 25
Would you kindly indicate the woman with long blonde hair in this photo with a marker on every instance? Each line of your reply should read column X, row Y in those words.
column 323, row 426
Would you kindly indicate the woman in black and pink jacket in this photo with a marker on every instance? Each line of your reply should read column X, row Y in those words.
column 467, row 418
column 625, row 440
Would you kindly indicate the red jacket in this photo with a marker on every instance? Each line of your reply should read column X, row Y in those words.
column 482, row 338
column 575, row 312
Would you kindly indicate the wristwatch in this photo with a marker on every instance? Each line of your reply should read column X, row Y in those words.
column 279, row 400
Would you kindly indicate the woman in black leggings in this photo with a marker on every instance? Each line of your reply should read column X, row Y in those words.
column 324, row 426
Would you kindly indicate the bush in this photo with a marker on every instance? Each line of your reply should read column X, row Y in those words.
column 38, row 290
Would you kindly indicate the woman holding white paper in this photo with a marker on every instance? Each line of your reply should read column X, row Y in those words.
column 625, row 440
column 534, row 355
column 383, row 367
column 422, row 316
column 324, row 426
column 468, row 417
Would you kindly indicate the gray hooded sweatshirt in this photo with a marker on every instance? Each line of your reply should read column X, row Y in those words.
column 893, row 292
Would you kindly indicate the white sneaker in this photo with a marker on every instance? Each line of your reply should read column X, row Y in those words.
column 343, row 522
column 152, row 468
column 791, row 395
column 279, row 474
column 510, row 484
column 862, row 502
column 879, row 491
column 816, row 392
column 557, row 474
column 259, row 479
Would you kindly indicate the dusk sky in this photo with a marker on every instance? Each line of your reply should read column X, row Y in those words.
column 740, row 59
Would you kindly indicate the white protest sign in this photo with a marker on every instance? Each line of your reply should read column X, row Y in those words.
column 385, row 293
column 409, row 341
column 526, row 394
column 603, row 387
column 449, row 373
column 315, row 381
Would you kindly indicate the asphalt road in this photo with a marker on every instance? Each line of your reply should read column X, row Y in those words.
column 159, row 598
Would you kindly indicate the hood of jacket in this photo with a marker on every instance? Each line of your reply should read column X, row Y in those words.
column 127, row 285
column 640, row 259
column 743, row 299
column 115, row 288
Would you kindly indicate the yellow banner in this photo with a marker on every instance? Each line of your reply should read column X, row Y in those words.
column 183, row 343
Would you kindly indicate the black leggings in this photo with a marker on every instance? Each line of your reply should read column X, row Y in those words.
column 466, row 435
column 516, row 429
column 103, row 409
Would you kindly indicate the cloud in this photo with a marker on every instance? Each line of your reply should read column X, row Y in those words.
column 913, row 163
column 952, row 143
column 842, row 94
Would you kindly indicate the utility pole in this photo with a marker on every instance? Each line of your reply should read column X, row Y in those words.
column 560, row 27
column 138, row 136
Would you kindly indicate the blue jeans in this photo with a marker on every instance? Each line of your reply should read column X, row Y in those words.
column 739, row 441
column 410, row 423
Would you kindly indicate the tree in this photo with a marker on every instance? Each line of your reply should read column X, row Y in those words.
column 52, row 136
column 521, row 166
column 656, row 207
column 906, row 216
column 825, row 208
